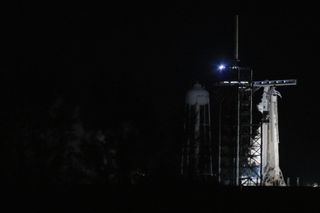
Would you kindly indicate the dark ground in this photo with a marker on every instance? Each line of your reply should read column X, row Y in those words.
column 167, row 198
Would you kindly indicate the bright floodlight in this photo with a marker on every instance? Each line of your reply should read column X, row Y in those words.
column 221, row 67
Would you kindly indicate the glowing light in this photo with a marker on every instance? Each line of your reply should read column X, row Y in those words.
column 221, row 67
column 244, row 82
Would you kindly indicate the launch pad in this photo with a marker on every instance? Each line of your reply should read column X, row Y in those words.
column 257, row 151
column 256, row 160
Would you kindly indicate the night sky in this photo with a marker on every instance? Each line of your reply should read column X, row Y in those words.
column 135, row 62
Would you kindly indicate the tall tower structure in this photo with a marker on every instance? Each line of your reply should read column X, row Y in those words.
column 196, row 156
column 257, row 151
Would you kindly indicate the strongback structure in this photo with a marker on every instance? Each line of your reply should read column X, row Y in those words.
column 196, row 156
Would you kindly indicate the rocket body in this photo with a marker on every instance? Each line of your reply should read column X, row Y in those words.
column 271, row 173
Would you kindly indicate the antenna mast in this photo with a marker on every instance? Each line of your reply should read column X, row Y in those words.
column 238, row 104
column 236, row 54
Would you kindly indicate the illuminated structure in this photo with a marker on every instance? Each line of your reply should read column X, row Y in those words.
column 260, row 167
column 196, row 156
column 271, row 173
column 257, row 152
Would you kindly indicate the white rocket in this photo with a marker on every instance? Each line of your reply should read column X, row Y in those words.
column 271, row 173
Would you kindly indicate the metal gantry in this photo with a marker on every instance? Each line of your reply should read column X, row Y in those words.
column 250, row 147
column 248, row 144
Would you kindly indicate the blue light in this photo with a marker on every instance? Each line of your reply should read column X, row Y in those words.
column 221, row 67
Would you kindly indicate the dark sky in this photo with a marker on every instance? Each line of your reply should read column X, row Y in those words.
column 145, row 56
